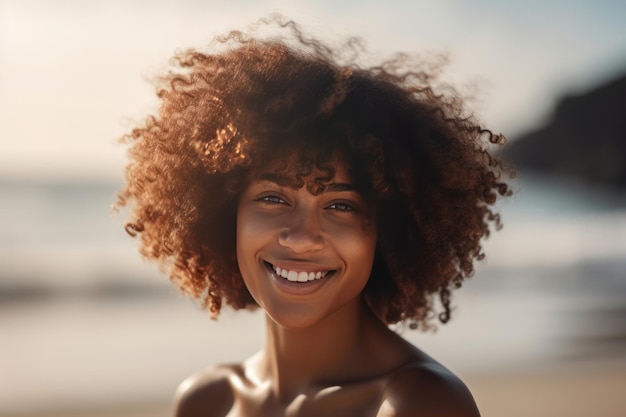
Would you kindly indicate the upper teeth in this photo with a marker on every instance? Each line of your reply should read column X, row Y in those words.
column 296, row 276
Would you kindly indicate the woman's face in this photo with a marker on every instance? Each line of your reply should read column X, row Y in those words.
column 303, row 257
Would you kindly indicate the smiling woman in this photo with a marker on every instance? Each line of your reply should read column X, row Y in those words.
column 304, row 256
column 339, row 199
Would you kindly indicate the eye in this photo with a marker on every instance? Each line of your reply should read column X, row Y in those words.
column 342, row 207
column 271, row 200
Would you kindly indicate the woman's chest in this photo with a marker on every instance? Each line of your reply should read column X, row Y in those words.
column 361, row 400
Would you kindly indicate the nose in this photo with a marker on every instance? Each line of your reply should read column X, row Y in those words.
column 302, row 234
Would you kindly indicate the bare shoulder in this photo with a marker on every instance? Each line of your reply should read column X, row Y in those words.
column 427, row 389
column 207, row 393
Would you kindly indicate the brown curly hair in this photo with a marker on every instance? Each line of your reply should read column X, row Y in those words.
column 414, row 153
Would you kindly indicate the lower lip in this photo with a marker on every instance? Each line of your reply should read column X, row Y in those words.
column 295, row 287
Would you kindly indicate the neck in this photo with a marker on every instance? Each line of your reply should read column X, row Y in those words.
column 329, row 352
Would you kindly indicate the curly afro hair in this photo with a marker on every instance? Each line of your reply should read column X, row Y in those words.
column 414, row 152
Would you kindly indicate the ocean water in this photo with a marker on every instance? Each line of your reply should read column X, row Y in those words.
column 84, row 321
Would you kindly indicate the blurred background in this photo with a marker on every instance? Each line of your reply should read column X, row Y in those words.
column 89, row 329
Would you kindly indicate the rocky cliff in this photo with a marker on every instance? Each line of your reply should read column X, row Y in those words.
column 585, row 139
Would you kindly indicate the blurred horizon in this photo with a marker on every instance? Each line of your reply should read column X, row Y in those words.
column 73, row 74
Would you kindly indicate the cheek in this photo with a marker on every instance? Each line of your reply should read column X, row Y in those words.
column 254, row 234
column 361, row 237
column 358, row 248
column 247, row 230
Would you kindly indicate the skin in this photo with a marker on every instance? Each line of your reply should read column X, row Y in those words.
column 325, row 354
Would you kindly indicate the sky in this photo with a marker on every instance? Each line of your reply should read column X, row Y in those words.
column 74, row 74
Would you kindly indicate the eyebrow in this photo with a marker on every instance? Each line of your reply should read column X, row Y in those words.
column 284, row 181
column 336, row 187
column 278, row 179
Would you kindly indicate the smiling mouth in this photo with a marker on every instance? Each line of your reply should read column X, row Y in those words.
column 298, row 276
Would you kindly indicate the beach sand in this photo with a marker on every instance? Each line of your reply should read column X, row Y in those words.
column 570, row 393
column 551, row 393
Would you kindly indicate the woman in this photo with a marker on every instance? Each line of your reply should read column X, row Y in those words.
column 340, row 199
